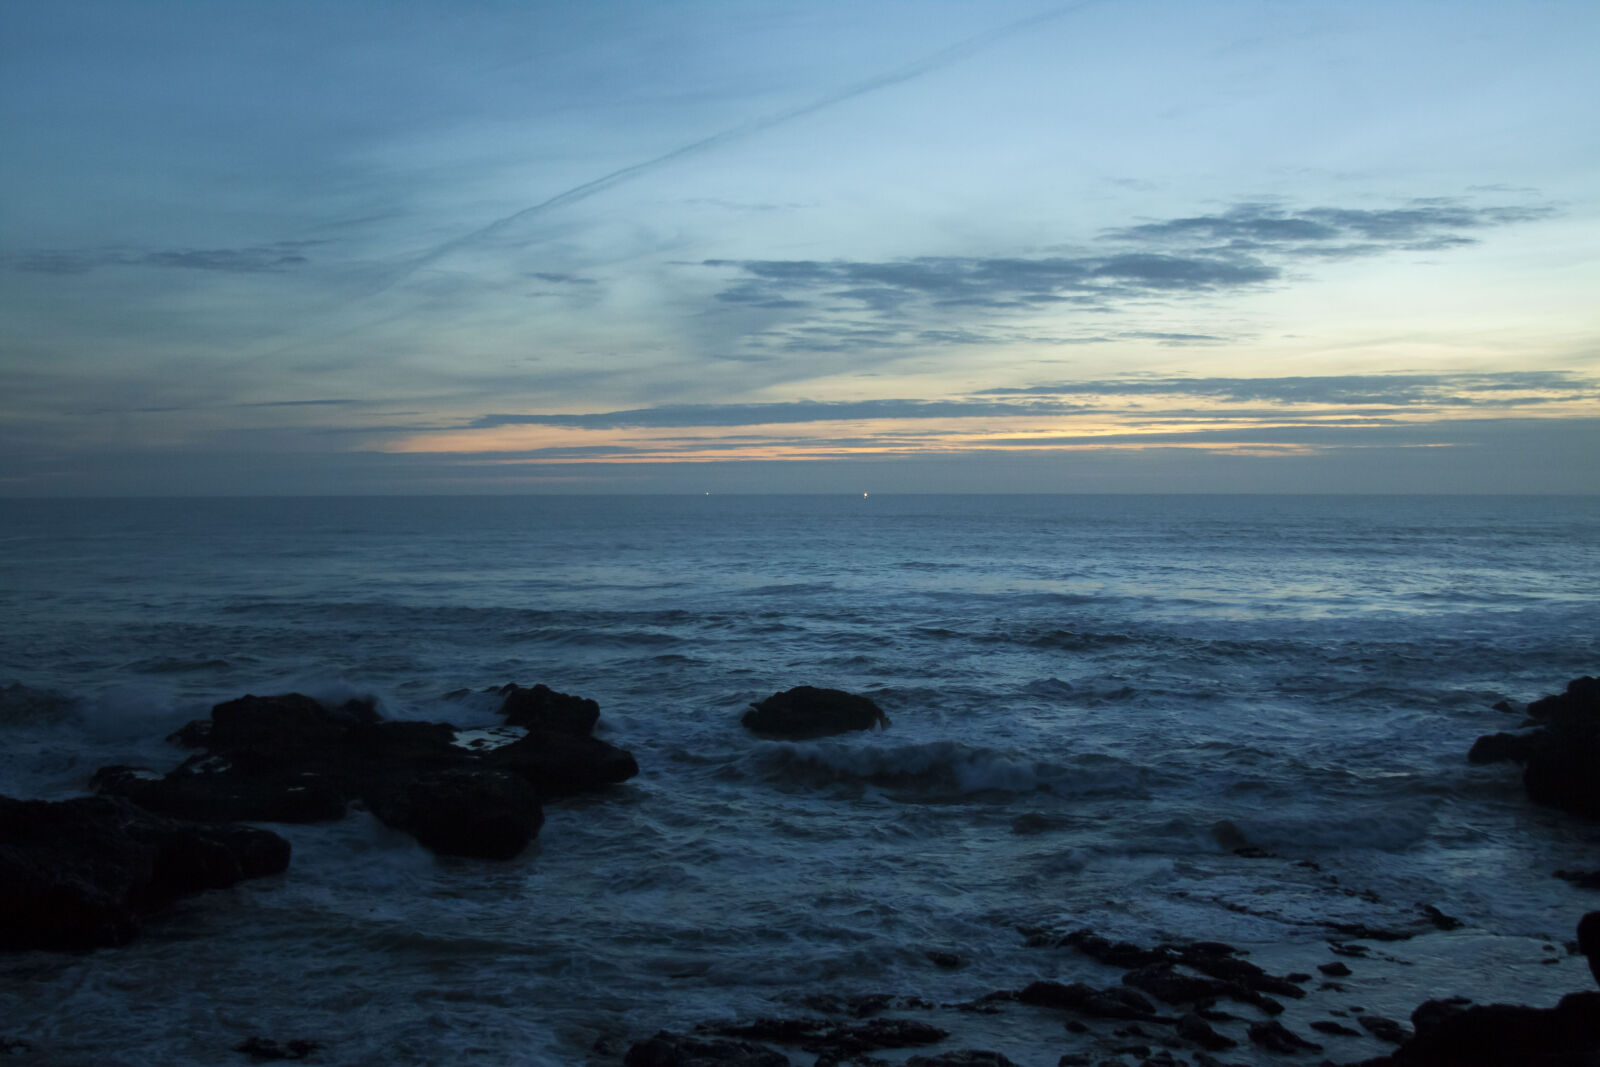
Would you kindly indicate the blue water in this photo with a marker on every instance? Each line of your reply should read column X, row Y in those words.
column 1080, row 689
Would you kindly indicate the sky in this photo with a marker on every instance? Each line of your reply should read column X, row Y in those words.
column 770, row 246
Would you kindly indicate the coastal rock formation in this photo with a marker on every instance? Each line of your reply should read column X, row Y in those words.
column 806, row 712
column 1504, row 1035
column 1558, row 748
column 81, row 873
column 290, row 758
column 667, row 1049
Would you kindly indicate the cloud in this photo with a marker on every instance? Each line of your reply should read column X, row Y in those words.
column 1330, row 232
column 798, row 411
column 254, row 259
column 1394, row 390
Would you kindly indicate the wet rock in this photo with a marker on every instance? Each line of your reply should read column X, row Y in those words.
column 1384, row 1029
column 1219, row 961
column 262, row 1049
column 81, row 873
column 842, row 1041
column 1589, row 941
column 1560, row 753
column 806, row 712
column 290, row 758
column 961, row 1058
column 1113, row 1002
column 542, row 708
column 1440, row 919
column 1503, row 1035
column 464, row 812
column 950, row 961
column 1334, row 969
column 1581, row 879
column 1122, row 954
column 667, row 1049
column 1328, row 1026
column 1192, row 1027
column 1275, row 1037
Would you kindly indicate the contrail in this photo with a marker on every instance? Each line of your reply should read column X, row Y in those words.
column 942, row 58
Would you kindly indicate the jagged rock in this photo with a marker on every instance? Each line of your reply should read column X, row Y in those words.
column 806, row 712
column 1192, row 1027
column 966, row 1057
column 1113, row 1002
column 1589, row 941
column 1384, row 1029
column 542, row 708
column 81, row 873
column 291, row 759
column 667, row 1049
column 1275, row 1037
column 464, row 812
column 1505, row 1035
column 1328, row 1026
column 1560, row 754
column 1334, row 969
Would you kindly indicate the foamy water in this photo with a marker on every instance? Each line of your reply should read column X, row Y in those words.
column 1080, row 690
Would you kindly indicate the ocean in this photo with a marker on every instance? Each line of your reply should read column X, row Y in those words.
column 1092, row 700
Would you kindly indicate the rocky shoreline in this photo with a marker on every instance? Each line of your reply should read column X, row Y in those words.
column 83, row 873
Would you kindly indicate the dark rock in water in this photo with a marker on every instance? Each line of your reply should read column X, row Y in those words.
column 851, row 1041
column 291, row 759
column 1218, row 961
column 1115, row 953
column 1495, row 748
column 1581, row 879
column 1328, row 1026
column 1560, row 755
column 559, row 765
column 80, row 873
column 1275, row 1037
column 1505, row 1035
column 1113, row 1002
column 464, row 812
column 1384, row 1029
column 1440, row 919
column 1334, row 969
column 667, row 1049
column 261, row 1049
column 966, row 1057
column 950, row 961
column 1192, row 1027
column 805, row 712
column 1589, row 941
column 542, row 708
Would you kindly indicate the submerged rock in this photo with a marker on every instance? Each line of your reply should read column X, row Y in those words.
column 81, row 873
column 667, row 1049
column 806, row 712
column 290, row 758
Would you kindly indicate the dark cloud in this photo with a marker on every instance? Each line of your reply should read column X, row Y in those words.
column 1323, row 232
column 792, row 412
column 1395, row 390
column 255, row 259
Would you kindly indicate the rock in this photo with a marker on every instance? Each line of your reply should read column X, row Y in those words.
column 542, row 708
column 1123, row 954
column 261, row 1049
column 1275, row 1037
column 806, row 712
column 950, row 961
column 1440, row 919
column 1581, row 879
column 1589, row 941
column 464, row 812
column 1328, row 1026
column 1384, row 1029
column 289, row 758
column 966, row 1057
column 1217, row 960
column 1334, row 969
column 1505, row 1035
column 667, row 1049
column 1111, row 1003
column 1501, row 747
column 1560, row 754
column 81, row 873
column 1192, row 1027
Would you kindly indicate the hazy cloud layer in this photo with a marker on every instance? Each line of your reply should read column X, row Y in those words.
column 1392, row 391
column 256, row 259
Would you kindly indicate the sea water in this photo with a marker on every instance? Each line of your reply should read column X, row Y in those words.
column 1080, row 689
